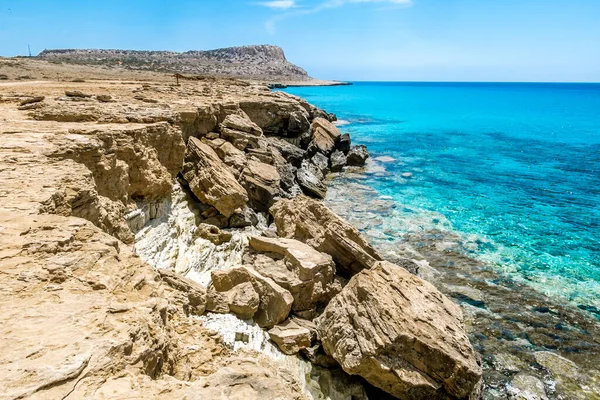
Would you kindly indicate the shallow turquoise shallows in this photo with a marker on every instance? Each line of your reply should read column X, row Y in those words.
column 514, row 169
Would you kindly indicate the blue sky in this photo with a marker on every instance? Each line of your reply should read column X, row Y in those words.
column 450, row 40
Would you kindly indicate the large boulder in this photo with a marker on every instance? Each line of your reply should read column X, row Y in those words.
column 401, row 334
column 343, row 143
column 291, row 153
column 321, row 142
column 275, row 302
column 262, row 182
column 310, row 182
column 242, row 140
column 210, row 179
column 313, row 223
column 229, row 154
column 306, row 273
column 357, row 156
column 239, row 123
column 332, row 131
column 338, row 161
column 290, row 337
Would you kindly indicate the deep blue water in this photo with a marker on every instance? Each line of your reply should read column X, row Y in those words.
column 512, row 168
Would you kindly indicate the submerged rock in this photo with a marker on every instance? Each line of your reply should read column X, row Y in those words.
column 401, row 334
column 313, row 223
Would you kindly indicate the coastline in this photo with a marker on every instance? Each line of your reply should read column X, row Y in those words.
column 160, row 189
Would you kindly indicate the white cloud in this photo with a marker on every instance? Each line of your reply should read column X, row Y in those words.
column 279, row 4
column 326, row 4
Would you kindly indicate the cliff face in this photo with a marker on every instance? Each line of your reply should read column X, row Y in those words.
column 169, row 242
column 260, row 62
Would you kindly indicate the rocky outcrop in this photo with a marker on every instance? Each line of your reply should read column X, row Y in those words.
column 210, row 180
column 262, row 182
column 357, row 156
column 275, row 302
column 406, row 337
column 264, row 61
column 113, row 326
column 306, row 273
column 290, row 337
column 311, row 222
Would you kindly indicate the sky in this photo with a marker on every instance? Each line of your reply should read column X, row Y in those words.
column 399, row 40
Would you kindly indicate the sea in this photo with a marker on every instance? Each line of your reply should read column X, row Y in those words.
column 495, row 189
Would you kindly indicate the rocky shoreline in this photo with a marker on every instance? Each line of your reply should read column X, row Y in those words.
column 134, row 214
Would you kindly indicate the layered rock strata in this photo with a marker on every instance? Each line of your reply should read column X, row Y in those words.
column 195, row 181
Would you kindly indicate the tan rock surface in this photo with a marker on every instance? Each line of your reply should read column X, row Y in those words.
column 210, row 180
column 401, row 334
column 262, row 182
column 83, row 316
column 275, row 301
column 290, row 337
column 311, row 222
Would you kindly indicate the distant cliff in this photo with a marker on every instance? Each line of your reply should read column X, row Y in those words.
column 263, row 61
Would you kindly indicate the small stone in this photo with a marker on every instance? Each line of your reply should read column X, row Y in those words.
column 104, row 98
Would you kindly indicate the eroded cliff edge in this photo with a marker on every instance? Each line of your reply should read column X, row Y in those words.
column 138, row 219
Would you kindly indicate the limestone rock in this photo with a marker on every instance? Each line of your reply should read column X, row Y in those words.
column 210, row 180
column 261, row 182
column 310, row 183
column 321, row 162
column 313, row 223
column 310, row 263
column 275, row 302
column 401, row 334
column 306, row 273
column 292, row 154
column 343, row 143
column 290, row 337
column 195, row 293
column 32, row 100
column 229, row 154
column 338, row 161
column 212, row 234
column 243, row 300
column 321, row 142
column 526, row 387
column 332, row 131
column 239, row 123
column 357, row 157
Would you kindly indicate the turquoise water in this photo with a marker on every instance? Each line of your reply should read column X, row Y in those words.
column 514, row 169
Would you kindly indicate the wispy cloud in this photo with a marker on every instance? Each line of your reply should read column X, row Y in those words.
column 286, row 5
column 279, row 4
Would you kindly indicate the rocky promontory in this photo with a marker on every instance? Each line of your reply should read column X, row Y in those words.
column 165, row 241
column 259, row 62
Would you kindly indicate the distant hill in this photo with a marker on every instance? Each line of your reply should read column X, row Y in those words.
column 261, row 62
